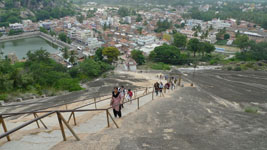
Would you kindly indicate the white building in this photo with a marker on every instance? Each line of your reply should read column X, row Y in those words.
column 83, row 35
column 130, row 65
column 146, row 40
column 193, row 22
column 93, row 44
column 127, row 19
column 26, row 22
column 16, row 26
column 219, row 24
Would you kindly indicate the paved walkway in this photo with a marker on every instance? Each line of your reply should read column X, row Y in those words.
column 43, row 139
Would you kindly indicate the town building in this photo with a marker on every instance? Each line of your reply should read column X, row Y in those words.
column 146, row 40
column 16, row 26
column 130, row 65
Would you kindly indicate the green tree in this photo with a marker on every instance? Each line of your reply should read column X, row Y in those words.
column 166, row 53
column 140, row 29
column 139, row 18
column 123, row 12
column 193, row 45
column 65, row 53
column 226, row 36
column 105, row 27
column 179, row 40
column 38, row 56
column 242, row 42
column 15, row 32
column 80, row 18
column 90, row 68
column 111, row 53
column 98, row 54
column 182, row 25
column 138, row 56
column 63, row 37
column 42, row 29
column 72, row 57
column 163, row 25
column 208, row 47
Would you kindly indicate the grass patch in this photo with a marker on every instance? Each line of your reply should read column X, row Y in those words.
column 251, row 109
column 221, row 42
column 155, row 66
column 160, row 66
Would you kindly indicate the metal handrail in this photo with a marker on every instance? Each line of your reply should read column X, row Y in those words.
column 38, row 118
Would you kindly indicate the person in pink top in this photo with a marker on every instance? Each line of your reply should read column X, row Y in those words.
column 116, row 100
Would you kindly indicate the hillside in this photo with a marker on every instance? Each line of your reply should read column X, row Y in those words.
column 12, row 11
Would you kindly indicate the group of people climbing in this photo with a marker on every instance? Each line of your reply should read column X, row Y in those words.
column 119, row 95
column 169, row 85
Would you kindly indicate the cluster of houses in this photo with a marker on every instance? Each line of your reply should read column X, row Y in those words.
column 107, row 29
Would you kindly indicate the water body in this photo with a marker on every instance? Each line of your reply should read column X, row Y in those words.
column 21, row 46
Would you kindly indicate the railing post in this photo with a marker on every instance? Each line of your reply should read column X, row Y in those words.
column 135, row 94
column 179, row 83
column 61, row 126
column 4, row 127
column 74, row 119
column 107, row 117
column 70, row 116
column 68, row 126
column 34, row 114
column 40, row 121
column 138, row 102
column 95, row 102
column 113, row 120
column 153, row 94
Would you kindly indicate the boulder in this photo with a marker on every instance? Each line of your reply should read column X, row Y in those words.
column 19, row 100
column 2, row 103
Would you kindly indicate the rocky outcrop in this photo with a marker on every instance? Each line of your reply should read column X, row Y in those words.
column 2, row 5
column 26, row 13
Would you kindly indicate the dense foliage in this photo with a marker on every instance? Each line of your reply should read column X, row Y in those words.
column 232, row 10
column 63, row 37
column 138, row 56
column 166, row 53
column 40, row 73
column 34, row 10
column 256, row 51
column 111, row 54
column 163, row 25
column 123, row 12
column 179, row 40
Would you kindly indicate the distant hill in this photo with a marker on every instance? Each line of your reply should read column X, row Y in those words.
column 165, row 2
column 12, row 11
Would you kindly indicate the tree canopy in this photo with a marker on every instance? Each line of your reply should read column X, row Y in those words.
column 111, row 54
column 179, row 40
column 193, row 45
column 138, row 56
column 166, row 53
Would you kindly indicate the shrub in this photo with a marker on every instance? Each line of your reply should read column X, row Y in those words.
column 238, row 68
column 3, row 97
column 251, row 109
column 213, row 62
column 68, row 84
column 160, row 66
column 229, row 68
